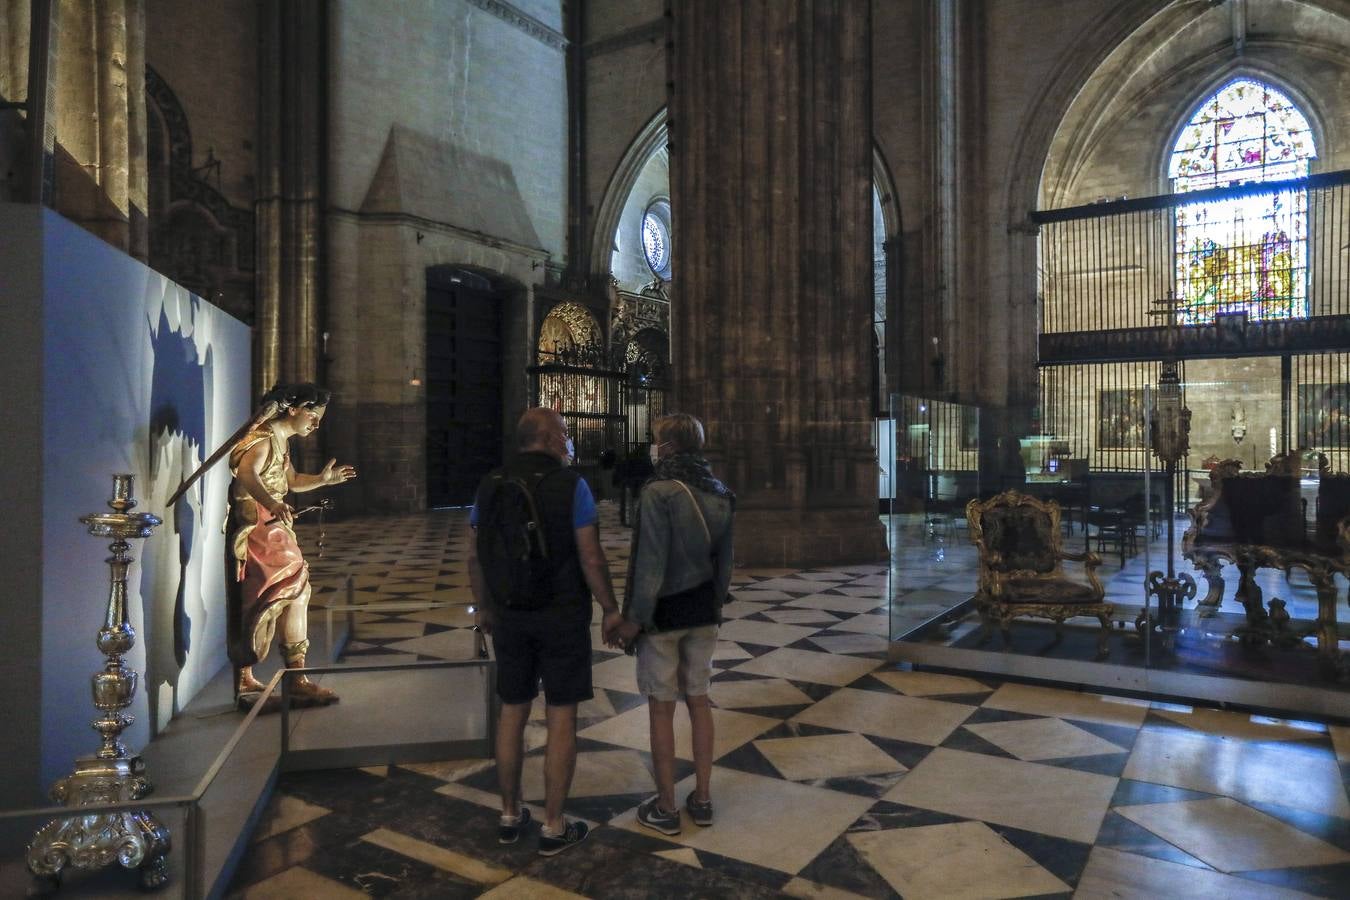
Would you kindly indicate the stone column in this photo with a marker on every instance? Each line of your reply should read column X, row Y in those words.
column 99, row 115
column 291, row 139
column 771, row 176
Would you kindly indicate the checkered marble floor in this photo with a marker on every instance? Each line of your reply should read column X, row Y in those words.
column 836, row 773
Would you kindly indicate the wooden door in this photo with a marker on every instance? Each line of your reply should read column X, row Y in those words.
column 464, row 390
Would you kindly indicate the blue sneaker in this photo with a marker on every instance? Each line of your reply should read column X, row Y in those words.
column 574, row 833
column 509, row 833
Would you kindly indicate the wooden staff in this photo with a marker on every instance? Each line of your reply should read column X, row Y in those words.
column 264, row 413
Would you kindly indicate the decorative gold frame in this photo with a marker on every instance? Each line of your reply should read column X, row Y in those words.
column 994, row 577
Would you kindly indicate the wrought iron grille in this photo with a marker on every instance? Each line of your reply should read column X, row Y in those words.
column 1265, row 321
column 1279, row 282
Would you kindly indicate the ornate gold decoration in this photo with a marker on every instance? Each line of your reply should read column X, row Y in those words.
column 1209, row 546
column 1286, row 465
column 1171, row 424
column 1021, row 571
column 567, row 326
column 132, row 839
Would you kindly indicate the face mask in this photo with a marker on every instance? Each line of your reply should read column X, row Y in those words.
column 571, row 450
column 654, row 453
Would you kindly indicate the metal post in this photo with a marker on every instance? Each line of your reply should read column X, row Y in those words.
column 285, row 718
column 1286, row 397
column 44, row 36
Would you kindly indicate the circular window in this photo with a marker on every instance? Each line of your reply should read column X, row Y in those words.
column 656, row 238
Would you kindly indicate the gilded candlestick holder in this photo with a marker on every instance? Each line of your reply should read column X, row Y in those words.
column 132, row 839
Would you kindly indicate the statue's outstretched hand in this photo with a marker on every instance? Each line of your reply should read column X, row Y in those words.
column 335, row 474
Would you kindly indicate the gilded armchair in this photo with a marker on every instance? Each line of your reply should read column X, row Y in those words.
column 1021, row 571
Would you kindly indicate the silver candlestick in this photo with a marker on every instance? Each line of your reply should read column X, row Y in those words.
column 1171, row 430
column 133, row 839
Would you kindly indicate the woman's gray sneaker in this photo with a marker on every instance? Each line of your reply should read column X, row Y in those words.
column 650, row 814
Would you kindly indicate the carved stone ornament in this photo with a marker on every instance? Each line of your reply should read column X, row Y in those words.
column 1238, row 428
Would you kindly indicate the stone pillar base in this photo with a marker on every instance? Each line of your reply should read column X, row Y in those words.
column 787, row 539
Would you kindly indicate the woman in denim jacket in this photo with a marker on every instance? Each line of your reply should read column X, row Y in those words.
column 679, row 574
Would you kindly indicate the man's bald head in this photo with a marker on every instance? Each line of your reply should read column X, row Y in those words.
column 540, row 429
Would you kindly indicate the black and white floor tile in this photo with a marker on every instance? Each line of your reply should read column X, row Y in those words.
column 836, row 773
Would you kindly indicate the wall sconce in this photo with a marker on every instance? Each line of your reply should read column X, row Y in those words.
column 415, row 380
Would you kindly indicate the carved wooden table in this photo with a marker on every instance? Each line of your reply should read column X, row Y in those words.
column 1267, row 506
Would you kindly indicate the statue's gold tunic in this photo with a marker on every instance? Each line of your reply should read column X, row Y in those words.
column 265, row 571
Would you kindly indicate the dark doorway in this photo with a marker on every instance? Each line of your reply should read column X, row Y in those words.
column 464, row 384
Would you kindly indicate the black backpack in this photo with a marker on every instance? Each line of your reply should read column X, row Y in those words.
column 512, row 541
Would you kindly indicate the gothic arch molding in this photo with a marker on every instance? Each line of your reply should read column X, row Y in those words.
column 196, row 237
column 1152, row 50
column 1234, row 70
column 884, row 183
column 651, row 139
column 1027, row 162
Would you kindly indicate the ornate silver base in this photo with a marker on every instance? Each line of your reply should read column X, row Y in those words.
column 133, row 840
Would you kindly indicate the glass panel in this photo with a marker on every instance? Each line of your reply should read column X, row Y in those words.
column 1038, row 500
column 1213, row 601
column 220, row 791
column 227, row 803
column 935, row 473
column 449, row 719
column 1261, row 540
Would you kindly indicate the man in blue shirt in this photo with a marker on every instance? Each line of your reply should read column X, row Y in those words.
column 547, row 638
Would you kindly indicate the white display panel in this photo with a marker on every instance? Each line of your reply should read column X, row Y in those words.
column 132, row 374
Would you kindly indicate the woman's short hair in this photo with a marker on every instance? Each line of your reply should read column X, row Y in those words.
column 305, row 395
column 681, row 430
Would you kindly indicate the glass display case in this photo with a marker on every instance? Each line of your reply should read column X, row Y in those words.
column 1033, row 555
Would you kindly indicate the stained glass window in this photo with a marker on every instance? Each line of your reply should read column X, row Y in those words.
column 656, row 238
column 1244, row 254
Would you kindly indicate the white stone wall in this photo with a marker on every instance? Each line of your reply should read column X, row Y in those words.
column 449, row 70
column 418, row 92
column 128, row 372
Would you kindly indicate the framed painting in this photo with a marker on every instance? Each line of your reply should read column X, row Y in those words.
column 1324, row 415
column 1120, row 419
